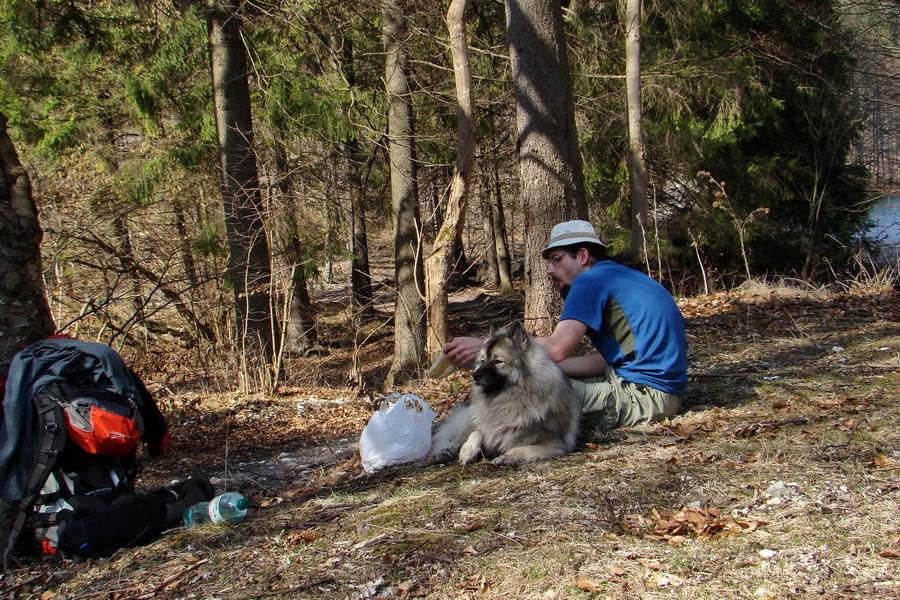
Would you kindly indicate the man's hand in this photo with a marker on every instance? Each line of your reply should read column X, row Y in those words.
column 462, row 351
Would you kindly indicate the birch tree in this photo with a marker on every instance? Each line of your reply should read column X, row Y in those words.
column 439, row 262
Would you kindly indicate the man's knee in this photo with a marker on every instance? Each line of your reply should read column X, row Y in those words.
column 648, row 405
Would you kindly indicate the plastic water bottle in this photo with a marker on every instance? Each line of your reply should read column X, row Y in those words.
column 197, row 515
column 225, row 509
column 228, row 508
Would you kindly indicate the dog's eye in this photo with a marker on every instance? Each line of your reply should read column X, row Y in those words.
column 499, row 362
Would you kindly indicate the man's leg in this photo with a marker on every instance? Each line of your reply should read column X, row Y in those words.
column 599, row 409
column 642, row 404
column 608, row 402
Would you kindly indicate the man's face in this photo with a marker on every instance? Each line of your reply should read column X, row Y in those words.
column 562, row 268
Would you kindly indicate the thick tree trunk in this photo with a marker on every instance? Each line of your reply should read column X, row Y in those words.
column 549, row 160
column 249, row 264
column 409, row 313
column 26, row 316
column 439, row 263
column 637, row 173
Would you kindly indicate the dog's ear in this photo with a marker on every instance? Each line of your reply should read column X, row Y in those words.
column 495, row 329
column 516, row 332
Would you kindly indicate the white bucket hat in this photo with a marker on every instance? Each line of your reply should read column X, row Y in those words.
column 572, row 232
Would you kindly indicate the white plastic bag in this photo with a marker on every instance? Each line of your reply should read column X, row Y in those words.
column 399, row 432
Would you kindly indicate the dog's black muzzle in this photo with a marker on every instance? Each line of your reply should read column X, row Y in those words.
column 488, row 378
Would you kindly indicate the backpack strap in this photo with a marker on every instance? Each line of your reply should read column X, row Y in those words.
column 52, row 440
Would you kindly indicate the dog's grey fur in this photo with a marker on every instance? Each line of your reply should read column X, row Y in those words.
column 522, row 407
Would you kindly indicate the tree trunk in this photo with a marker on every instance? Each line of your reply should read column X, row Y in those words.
column 299, row 319
column 549, row 160
column 26, row 315
column 440, row 262
column 297, row 316
column 360, row 274
column 409, row 313
column 187, row 254
column 500, row 241
column 202, row 330
column 249, row 264
column 126, row 255
column 491, row 274
column 300, row 330
column 331, row 218
column 637, row 174
column 124, row 246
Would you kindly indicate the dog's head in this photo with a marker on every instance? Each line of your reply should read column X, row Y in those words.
column 502, row 358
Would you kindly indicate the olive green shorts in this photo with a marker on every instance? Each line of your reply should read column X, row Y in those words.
column 608, row 402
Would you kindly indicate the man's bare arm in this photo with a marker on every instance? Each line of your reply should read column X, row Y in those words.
column 565, row 337
column 590, row 365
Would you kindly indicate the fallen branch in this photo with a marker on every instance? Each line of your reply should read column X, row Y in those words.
column 175, row 578
column 287, row 592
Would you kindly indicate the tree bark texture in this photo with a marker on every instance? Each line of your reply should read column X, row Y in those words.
column 249, row 262
column 300, row 332
column 297, row 318
column 637, row 173
column 409, row 313
column 439, row 264
column 25, row 317
column 549, row 160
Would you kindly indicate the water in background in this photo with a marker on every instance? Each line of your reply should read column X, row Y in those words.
column 885, row 229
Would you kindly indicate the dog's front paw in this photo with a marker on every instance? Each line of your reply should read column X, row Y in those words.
column 528, row 454
column 469, row 454
column 505, row 460
column 443, row 455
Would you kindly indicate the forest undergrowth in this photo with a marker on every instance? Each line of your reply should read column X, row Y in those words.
column 780, row 477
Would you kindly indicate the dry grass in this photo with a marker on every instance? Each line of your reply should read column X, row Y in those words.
column 779, row 479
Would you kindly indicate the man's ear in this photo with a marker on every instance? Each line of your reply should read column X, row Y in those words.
column 583, row 255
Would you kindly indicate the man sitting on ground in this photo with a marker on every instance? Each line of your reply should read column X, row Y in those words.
column 638, row 373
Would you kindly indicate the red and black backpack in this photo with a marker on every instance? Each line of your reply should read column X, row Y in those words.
column 80, row 431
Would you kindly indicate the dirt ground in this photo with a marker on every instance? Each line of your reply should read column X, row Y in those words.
column 780, row 478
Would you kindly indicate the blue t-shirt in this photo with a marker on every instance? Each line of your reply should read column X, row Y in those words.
column 633, row 322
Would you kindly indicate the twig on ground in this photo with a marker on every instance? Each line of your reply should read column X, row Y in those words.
column 174, row 578
column 286, row 592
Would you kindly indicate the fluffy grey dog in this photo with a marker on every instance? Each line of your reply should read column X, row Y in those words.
column 522, row 407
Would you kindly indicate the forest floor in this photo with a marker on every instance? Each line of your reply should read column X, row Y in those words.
column 780, row 478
